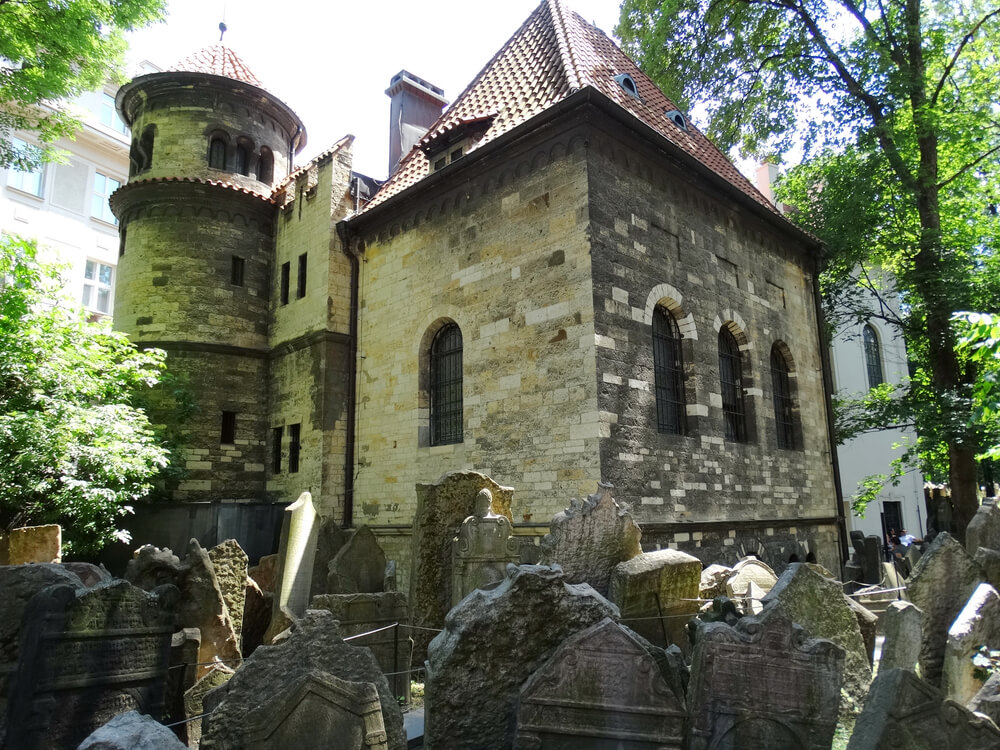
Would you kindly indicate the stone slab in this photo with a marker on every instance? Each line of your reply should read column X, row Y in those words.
column 31, row 544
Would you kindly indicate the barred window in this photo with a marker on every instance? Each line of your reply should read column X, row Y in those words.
column 446, row 386
column 668, row 372
column 783, row 417
column 873, row 356
column 217, row 153
column 294, row 447
column 731, row 381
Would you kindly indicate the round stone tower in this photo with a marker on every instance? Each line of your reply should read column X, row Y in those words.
column 197, row 237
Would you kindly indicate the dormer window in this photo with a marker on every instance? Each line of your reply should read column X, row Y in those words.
column 450, row 144
column 628, row 85
column 677, row 119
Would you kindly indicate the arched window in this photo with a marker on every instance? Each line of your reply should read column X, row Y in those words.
column 446, row 386
column 243, row 158
column 731, row 382
column 784, row 417
column 134, row 159
column 217, row 152
column 265, row 167
column 146, row 146
column 668, row 372
column 873, row 356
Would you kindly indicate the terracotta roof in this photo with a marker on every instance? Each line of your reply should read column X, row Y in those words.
column 554, row 54
column 345, row 141
column 196, row 180
column 219, row 60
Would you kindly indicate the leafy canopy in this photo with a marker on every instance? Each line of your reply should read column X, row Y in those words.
column 51, row 50
column 73, row 448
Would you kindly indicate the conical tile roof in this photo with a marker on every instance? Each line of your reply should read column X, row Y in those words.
column 219, row 60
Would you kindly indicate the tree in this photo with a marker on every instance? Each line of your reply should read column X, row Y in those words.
column 73, row 448
column 54, row 49
column 893, row 104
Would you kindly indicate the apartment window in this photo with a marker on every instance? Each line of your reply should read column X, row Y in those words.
column 668, row 371
column 873, row 356
column 217, row 152
column 109, row 115
column 98, row 282
column 228, row 427
column 446, row 386
column 285, row 273
column 294, row 445
column 237, row 270
column 100, row 208
column 784, row 422
column 26, row 182
column 277, row 433
column 731, row 382
column 300, row 282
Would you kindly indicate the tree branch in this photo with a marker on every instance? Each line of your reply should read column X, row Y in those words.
column 958, row 53
column 978, row 160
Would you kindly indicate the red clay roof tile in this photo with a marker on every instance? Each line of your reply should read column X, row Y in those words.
column 218, row 60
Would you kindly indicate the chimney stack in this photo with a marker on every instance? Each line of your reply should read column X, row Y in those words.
column 415, row 106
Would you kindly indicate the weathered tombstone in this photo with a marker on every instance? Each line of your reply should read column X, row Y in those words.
column 132, row 731
column 903, row 711
column 871, row 563
column 763, row 684
column 602, row 686
column 746, row 570
column 296, row 554
column 389, row 581
column 987, row 700
column 256, row 617
column 867, row 624
column 365, row 613
column 87, row 655
column 753, row 604
column 265, row 572
column 912, row 555
column 818, row 605
column 491, row 643
column 988, row 561
column 480, row 553
column 273, row 695
column 194, row 696
column 18, row 584
column 88, row 573
column 713, row 582
column 657, row 593
column 941, row 584
column 329, row 540
column 230, row 564
column 902, row 623
column 441, row 508
column 358, row 567
column 151, row 567
column 181, row 675
column 590, row 537
column 984, row 528
column 203, row 606
column 31, row 544
column 977, row 625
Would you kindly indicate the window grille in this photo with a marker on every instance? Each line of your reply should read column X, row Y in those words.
column 294, row 447
column 731, row 381
column 783, row 417
column 446, row 386
column 873, row 356
column 668, row 371
column 217, row 154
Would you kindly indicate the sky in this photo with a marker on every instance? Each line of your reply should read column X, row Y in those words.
column 331, row 62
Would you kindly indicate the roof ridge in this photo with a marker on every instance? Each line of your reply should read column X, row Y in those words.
column 567, row 51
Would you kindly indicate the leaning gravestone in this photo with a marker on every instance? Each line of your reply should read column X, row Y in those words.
column 132, row 731
column 203, row 606
column 984, row 528
column 296, row 555
column 482, row 550
column 763, row 684
column 903, row 711
column 977, row 626
column 218, row 674
column 181, row 675
column 941, row 584
column 818, row 605
column 491, row 643
column 329, row 540
column 746, row 570
column 151, row 567
column 902, row 623
column 603, row 686
column 230, row 564
column 590, row 537
column 358, row 567
column 288, row 696
column 87, row 655
column 657, row 593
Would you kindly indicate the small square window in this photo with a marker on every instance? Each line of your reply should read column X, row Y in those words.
column 238, row 267
column 228, row 427
column 285, row 279
column 300, row 290
column 456, row 154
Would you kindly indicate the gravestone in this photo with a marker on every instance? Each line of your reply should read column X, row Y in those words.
column 265, row 572
column 329, row 540
column 941, row 584
column 713, row 581
column 132, row 731
column 230, row 564
column 902, row 623
column 31, row 544
column 867, row 624
column 984, row 528
column 296, row 554
column 746, row 570
column 491, row 643
column 763, row 684
column 590, row 537
column 871, row 562
column 151, row 567
column 87, row 655
column 603, row 686
column 358, row 567
column 274, row 687
column 819, row 606
column 977, row 625
column 480, row 553
column 657, row 593
column 988, row 561
column 256, row 617
column 216, row 676
column 88, row 573
column 364, row 613
column 903, row 711
column 441, row 508
column 181, row 675
column 203, row 606
column 987, row 700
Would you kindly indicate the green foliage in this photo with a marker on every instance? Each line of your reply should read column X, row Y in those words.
column 980, row 344
column 74, row 449
column 55, row 49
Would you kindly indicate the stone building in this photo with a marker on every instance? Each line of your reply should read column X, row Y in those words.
column 562, row 281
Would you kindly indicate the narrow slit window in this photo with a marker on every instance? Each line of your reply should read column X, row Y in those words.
column 265, row 167
column 873, row 356
column 285, row 280
column 784, row 422
column 228, row 428
column 668, row 371
column 277, row 434
column 237, row 271
column 294, row 447
column 731, row 383
column 300, row 282
column 242, row 159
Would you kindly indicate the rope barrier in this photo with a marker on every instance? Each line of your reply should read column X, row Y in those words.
column 371, row 632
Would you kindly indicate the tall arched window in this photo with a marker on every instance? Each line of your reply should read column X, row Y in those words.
column 873, row 356
column 446, row 386
column 243, row 158
column 265, row 167
column 731, row 382
column 217, row 153
column 146, row 146
column 668, row 372
column 784, row 416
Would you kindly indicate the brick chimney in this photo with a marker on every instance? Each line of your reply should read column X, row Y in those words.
column 415, row 106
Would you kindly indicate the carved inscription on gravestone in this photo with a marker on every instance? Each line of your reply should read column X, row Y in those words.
column 86, row 657
column 482, row 549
